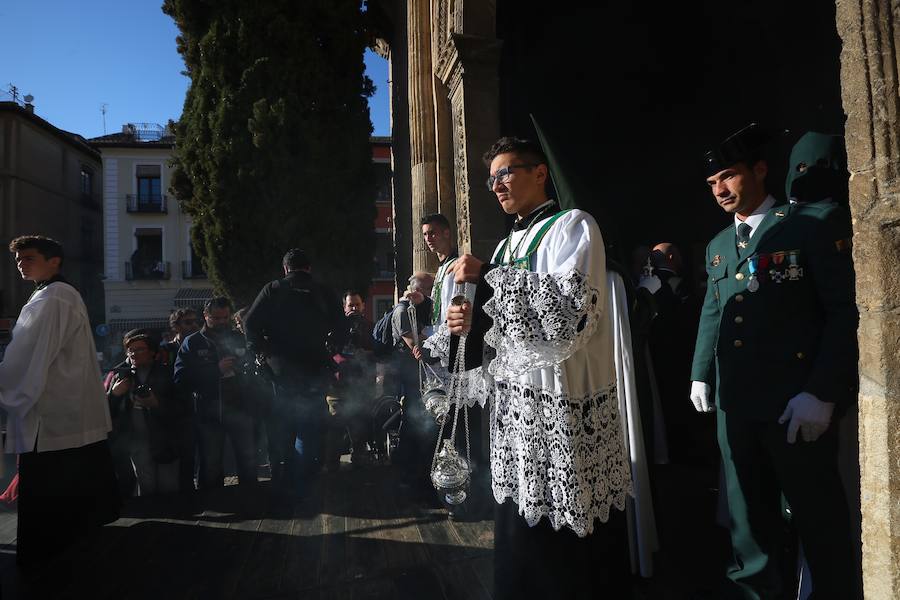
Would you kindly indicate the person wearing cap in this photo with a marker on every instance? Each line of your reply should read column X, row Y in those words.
column 777, row 336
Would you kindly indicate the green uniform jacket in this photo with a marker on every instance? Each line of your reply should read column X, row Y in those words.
column 797, row 332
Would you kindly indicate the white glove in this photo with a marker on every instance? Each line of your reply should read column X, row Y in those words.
column 651, row 283
column 808, row 414
column 700, row 397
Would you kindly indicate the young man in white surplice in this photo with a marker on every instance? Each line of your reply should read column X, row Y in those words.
column 539, row 346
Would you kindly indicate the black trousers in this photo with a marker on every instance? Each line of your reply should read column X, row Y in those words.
column 63, row 494
column 538, row 562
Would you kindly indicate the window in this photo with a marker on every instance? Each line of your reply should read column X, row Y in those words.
column 87, row 182
column 149, row 184
column 195, row 265
column 147, row 258
column 382, row 182
column 384, row 256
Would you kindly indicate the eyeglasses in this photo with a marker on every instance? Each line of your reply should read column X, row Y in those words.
column 503, row 174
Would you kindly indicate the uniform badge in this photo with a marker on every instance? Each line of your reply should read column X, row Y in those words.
column 742, row 244
column 716, row 260
column 779, row 213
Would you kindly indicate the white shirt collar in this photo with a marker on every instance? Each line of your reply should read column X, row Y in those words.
column 537, row 208
column 758, row 215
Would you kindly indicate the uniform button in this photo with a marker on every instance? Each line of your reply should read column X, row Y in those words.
column 738, row 344
column 801, row 356
column 739, row 298
column 739, row 276
column 739, row 319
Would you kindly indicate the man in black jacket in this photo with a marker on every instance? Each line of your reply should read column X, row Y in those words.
column 289, row 323
column 207, row 375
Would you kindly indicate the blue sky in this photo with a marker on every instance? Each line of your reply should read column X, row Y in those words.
column 75, row 56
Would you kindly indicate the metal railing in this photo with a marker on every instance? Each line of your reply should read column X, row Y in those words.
column 192, row 270
column 147, row 270
column 137, row 203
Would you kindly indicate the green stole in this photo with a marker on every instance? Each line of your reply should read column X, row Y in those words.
column 436, row 289
column 524, row 261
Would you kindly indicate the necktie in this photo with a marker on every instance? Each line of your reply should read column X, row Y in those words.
column 743, row 235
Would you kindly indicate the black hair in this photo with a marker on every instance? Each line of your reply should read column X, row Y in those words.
column 46, row 247
column 295, row 259
column 179, row 313
column 436, row 219
column 217, row 302
column 524, row 149
column 352, row 292
column 142, row 335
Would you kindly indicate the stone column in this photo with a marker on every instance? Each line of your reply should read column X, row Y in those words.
column 423, row 155
column 469, row 70
column 869, row 67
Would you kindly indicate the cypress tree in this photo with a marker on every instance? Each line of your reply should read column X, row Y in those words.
column 272, row 149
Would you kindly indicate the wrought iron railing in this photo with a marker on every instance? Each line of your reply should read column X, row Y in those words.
column 154, row 203
column 146, row 270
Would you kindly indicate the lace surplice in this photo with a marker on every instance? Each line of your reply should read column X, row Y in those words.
column 557, row 442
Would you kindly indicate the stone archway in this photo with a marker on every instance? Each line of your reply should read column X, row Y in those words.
column 869, row 82
column 454, row 46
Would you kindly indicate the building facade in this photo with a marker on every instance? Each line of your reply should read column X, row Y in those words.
column 49, row 185
column 150, row 266
column 380, row 295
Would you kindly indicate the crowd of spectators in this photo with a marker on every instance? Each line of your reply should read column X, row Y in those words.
column 289, row 384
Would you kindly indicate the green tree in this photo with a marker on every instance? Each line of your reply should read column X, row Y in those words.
column 272, row 150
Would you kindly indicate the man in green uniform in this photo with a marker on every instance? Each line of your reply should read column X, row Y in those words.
column 778, row 336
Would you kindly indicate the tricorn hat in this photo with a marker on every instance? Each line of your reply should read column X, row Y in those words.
column 748, row 144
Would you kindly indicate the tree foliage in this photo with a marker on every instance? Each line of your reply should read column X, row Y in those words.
column 272, row 149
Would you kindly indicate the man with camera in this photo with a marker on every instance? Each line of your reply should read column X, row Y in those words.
column 208, row 376
column 354, row 391
column 146, row 419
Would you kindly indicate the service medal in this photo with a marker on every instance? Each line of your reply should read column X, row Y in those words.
column 794, row 271
column 753, row 284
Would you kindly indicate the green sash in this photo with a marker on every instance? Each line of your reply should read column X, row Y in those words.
column 524, row 261
column 436, row 290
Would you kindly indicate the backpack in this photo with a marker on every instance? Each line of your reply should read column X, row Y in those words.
column 383, row 334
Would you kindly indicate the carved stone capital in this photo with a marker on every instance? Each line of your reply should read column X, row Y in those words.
column 467, row 56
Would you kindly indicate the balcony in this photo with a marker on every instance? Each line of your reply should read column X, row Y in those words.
column 192, row 270
column 154, row 204
column 148, row 270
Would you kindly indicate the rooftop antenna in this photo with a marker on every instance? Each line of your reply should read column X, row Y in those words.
column 103, row 108
column 14, row 92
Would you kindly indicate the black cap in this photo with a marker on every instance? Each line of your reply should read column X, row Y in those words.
column 748, row 145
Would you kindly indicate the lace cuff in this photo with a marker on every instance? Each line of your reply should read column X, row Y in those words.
column 438, row 344
column 470, row 387
column 540, row 319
